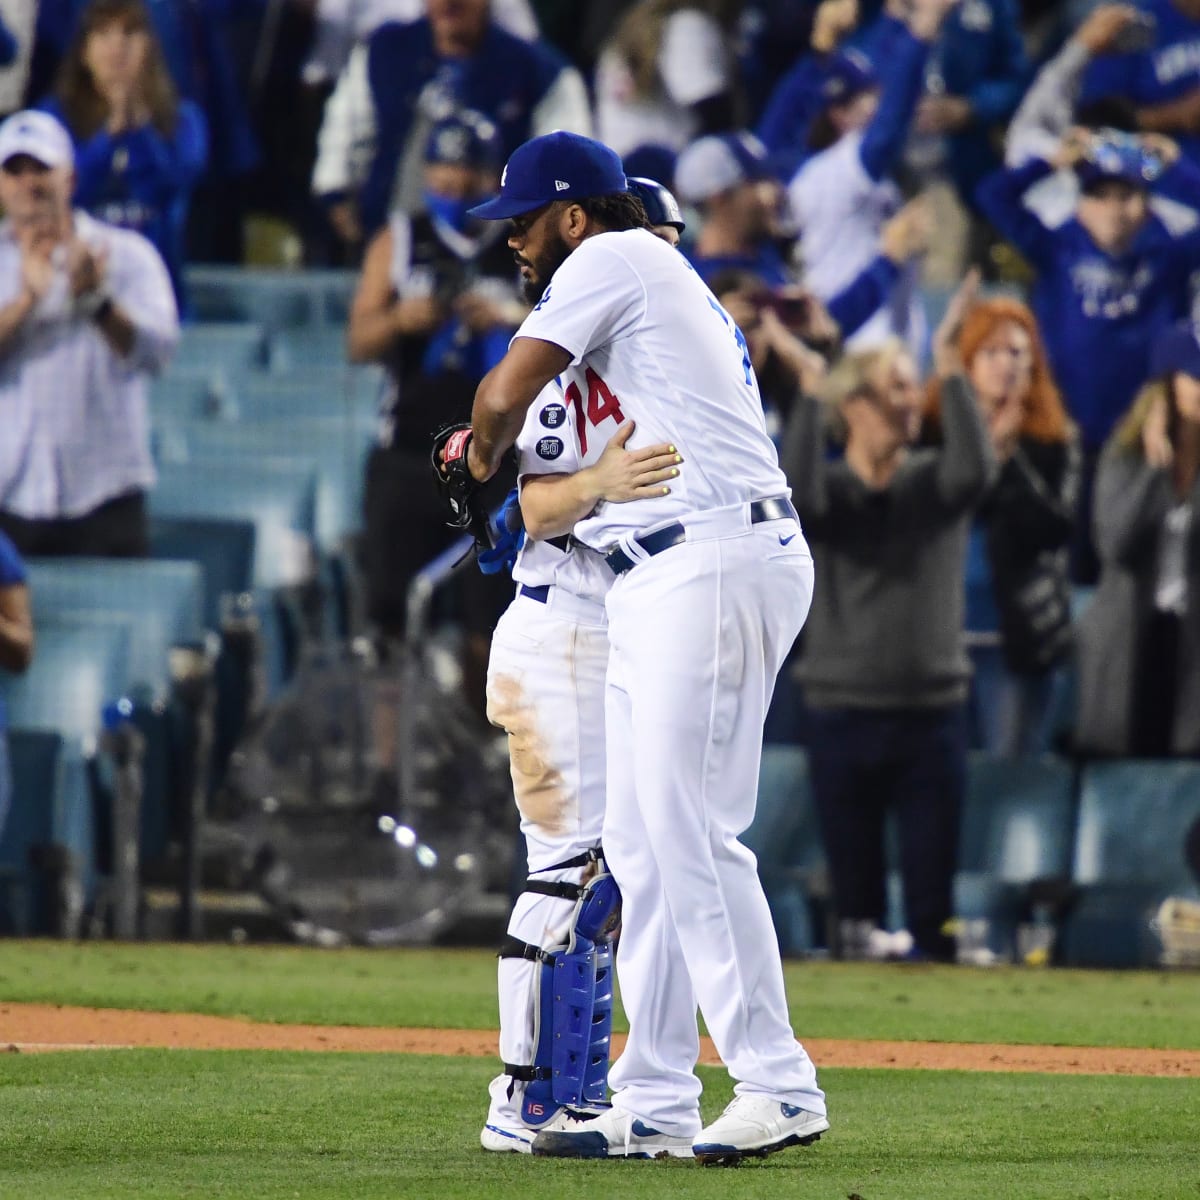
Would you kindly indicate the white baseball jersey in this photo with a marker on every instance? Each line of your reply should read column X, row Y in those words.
column 839, row 210
column 547, row 445
column 651, row 344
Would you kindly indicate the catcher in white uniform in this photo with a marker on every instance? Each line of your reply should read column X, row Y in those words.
column 714, row 583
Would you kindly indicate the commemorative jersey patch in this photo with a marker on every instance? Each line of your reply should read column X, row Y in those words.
column 549, row 447
column 553, row 415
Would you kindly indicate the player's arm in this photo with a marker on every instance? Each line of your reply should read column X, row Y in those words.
column 504, row 396
column 554, row 504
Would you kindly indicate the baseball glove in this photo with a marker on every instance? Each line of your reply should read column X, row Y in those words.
column 459, row 488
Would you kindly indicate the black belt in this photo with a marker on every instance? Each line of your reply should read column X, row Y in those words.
column 541, row 593
column 775, row 508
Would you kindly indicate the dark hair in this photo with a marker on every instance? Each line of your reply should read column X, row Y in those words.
column 84, row 109
column 617, row 211
column 822, row 133
column 1108, row 112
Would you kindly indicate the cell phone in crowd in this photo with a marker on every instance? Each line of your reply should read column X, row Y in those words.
column 1138, row 35
column 793, row 310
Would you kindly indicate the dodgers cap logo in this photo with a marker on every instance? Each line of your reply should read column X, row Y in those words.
column 556, row 166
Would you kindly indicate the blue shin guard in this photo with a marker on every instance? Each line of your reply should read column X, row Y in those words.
column 573, row 1011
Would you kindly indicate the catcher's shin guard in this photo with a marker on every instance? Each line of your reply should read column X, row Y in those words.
column 572, row 1006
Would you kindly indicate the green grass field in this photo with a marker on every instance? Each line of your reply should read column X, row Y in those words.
column 220, row 1124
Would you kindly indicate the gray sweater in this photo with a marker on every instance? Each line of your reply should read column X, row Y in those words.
column 885, row 630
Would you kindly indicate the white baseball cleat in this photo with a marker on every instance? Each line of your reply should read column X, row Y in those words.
column 518, row 1139
column 613, row 1134
column 754, row 1125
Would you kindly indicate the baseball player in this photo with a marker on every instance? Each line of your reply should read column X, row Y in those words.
column 545, row 688
column 713, row 584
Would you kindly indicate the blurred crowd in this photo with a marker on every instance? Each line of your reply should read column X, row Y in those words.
column 960, row 237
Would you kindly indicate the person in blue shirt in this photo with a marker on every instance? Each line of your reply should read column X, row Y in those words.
column 16, row 648
column 1108, row 280
column 139, row 149
column 1162, row 79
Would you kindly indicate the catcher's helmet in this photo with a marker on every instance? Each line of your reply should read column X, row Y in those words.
column 661, row 207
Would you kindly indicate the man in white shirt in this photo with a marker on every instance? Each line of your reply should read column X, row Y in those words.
column 714, row 581
column 86, row 313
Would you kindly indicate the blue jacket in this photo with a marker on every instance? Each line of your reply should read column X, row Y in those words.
column 505, row 80
column 1099, row 315
column 1168, row 70
column 142, row 180
column 12, row 572
column 981, row 57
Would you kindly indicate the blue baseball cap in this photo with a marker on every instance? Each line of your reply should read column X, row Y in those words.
column 847, row 73
column 661, row 207
column 466, row 138
column 1176, row 351
column 556, row 166
column 1114, row 154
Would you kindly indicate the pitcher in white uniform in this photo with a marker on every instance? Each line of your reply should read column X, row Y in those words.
column 714, row 582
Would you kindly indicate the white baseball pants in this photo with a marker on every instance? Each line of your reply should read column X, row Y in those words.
column 545, row 688
column 697, row 635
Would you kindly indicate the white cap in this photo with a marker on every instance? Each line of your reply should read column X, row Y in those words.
column 717, row 163
column 39, row 135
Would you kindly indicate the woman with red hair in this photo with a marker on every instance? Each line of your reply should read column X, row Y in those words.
column 1017, row 565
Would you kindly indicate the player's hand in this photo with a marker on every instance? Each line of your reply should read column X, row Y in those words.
column 947, row 360
column 1099, row 34
column 621, row 475
column 907, row 235
column 943, row 114
column 1156, row 441
column 834, row 20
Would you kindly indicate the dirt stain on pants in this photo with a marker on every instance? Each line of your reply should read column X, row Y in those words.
column 538, row 785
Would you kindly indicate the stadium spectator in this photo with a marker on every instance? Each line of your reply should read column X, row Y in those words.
column 410, row 76
column 342, row 24
column 883, row 667
column 16, row 649
column 139, row 149
column 728, row 178
column 843, row 193
column 1108, row 281
column 975, row 75
column 1017, row 567
column 667, row 75
column 437, row 303
column 86, row 313
column 1160, row 74
column 1139, row 640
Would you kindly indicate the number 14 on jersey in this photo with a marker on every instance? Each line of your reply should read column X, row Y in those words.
column 601, row 404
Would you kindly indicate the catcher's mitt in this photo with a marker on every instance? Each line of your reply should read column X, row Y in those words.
column 459, row 488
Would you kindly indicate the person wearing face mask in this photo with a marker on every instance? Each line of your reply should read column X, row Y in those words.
column 1017, row 577
column 1108, row 280
column 139, row 148
column 883, row 668
column 1139, row 640
column 437, row 302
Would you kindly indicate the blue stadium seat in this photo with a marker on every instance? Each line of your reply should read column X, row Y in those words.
column 222, row 546
column 333, row 447
column 232, row 348
column 320, row 346
column 277, row 299
column 52, row 805
column 1018, row 829
column 163, row 601
column 278, row 495
column 786, row 839
column 80, row 665
column 348, row 393
column 1129, row 857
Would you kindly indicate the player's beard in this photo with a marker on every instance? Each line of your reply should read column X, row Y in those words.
column 551, row 258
